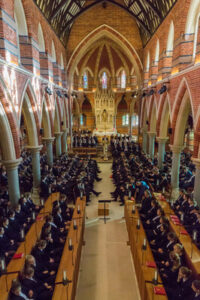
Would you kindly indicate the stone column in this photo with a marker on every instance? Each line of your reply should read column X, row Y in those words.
column 176, row 155
column 152, row 136
column 144, row 140
column 196, row 161
column 35, row 153
column 58, row 143
column 13, row 179
column 161, row 150
column 64, row 141
column 130, row 124
column 49, row 147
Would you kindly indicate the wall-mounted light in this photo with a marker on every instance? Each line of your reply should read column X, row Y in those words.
column 48, row 91
column 162, row 90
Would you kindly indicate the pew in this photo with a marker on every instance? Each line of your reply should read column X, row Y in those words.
column 70, row 260
column 190, row 248
column 85, row 151
column 16, row 265
column 144, row 274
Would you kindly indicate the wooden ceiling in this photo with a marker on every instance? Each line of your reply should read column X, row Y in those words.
column 61, row 14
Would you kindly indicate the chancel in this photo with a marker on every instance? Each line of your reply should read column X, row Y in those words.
column 100, row 150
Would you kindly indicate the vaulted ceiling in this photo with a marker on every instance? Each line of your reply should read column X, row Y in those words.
column 61, row 14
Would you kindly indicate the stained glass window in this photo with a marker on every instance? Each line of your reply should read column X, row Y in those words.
column 123, row 80
column 104, row 80
column 85, row 81
column 125, row 120
column 135, row 121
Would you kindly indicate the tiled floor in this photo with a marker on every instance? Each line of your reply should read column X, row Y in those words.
column 106, row 271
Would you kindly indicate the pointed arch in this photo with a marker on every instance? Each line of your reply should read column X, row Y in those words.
column 157, row 52
column 46, row 123
column 165, row 118
column 153, row 116
column 147, row 62
column 20, row 18
column 170, row 39
column 182, row 108
column 41, row 42
column 61, row 61
column 53, row 52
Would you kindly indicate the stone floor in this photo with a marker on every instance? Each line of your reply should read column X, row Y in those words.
column 107, row 270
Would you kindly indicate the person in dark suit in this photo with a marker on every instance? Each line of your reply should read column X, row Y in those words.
column 196, row 290
column 16, row 291
column 184, row 285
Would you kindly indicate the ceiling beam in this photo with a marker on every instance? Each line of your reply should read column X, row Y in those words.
column 154, row 8
column 84, row 9
column 58, row 8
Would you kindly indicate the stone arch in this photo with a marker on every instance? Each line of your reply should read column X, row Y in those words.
column 61, row 61
column 102, row 31
column 30, row 112
column 46, row 123
column 153, row 116
column 41, row 42
column 147, row 64
column 192, row 16
column 164, row 117
column 182, row 108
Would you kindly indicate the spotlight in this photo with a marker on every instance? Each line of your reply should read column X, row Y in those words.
column 151, row 92
column 48, row 91
column 162, row 90
column 59, row 94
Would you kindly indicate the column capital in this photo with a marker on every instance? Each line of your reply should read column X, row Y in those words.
column 152, row 134
column 11, row 164
column 176, row 148
column 34, row 148
column 196, row 162
column 48, row 140
column 58, row 133
column 162, row 140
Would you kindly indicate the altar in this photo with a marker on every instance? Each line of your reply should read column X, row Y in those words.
column 105, row 115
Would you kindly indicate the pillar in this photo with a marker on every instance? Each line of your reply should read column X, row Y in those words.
column 49, row 148
column 35, row 153
column 13, row 180
column 152, row 136
column 176, row 155
column 144, row 140
column 64, row 141
column 161, row 150
column 130, row 124
column 196, row 161
column 58, row 143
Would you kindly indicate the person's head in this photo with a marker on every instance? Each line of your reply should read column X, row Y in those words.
column 181, row 192
column 29, row 272
column 185, row 272
column 178, row 248
column 196, row 286
column 175, row 259
column 15, row 287
column 160, row 212
column 30, row 260
column 164, row 220
column 1, row 231
column 147, row 193
column 42, row 244
column 171, row 236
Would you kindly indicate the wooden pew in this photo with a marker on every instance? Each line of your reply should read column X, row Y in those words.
column 84, row 151
column 16, row 265
column 71, row 266
column 140, row 257
column 185, row 240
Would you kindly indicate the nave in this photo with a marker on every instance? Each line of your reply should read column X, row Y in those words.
column 106, row 270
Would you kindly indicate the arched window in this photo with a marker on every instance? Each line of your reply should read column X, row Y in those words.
column 85, row 81
column 123, row 80
column 135, row 121
column 82, row 120
column 125, row 120
column 104, row 80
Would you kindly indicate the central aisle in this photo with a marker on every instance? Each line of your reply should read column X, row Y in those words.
column 106, row 270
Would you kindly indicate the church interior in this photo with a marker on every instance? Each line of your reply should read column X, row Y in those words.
column 99, row 149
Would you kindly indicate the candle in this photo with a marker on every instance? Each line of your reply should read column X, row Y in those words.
column 22, row 234
column 33, row 215
column 194, row 235
column 42, row 202
column 75, row 224
column 145, row 242
column 163, row 189
column 70, row 242
column 133, row 209
column 129, row 194
column 78, row 209
column 81, row 195
column 2, row 264
column 64, row 275
column 138, row 223
column 182, row 217
column 156, row 275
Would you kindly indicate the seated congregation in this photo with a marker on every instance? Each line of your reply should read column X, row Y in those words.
column 137, row 177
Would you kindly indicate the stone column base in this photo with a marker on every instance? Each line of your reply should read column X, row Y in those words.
column 35, row 196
